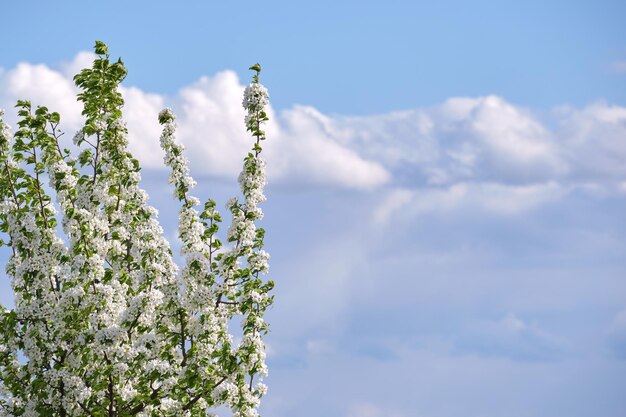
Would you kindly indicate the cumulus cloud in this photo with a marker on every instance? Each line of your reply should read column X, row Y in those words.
column 482, row 146
column 478, row 139
column 210, row 120
column 509, row 144
column 140, row 110
column 594, row 142
column 489, row 140
column 43, row 86
column 318, row 156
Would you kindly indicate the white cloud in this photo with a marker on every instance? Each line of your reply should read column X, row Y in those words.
column 42, row 86
column 478, row 139
column 140, row 112
column 502, row 199
column 317, row 155
column 594, row 141
column 510, row 143
column 210, row 119
column 82, row 60
column 483, row 146
column 486, row 139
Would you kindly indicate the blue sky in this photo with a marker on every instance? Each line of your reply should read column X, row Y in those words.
column 348, row 57
column 447, row 185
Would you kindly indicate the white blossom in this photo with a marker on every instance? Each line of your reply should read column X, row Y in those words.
column 106, row 319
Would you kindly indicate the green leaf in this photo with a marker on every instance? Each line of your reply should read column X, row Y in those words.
column 101, row 48
column 166, row 116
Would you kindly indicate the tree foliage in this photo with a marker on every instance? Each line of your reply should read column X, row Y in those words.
column 106, row 324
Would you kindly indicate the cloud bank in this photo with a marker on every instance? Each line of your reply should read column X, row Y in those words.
column 461, row 150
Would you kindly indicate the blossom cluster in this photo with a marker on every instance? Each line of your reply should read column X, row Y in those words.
column 106, row 323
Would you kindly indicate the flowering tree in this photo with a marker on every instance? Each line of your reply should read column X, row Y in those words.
column 107, row 324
